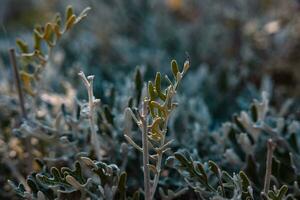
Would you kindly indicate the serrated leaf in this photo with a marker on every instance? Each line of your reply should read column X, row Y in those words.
column 282, row 191
column 72, row 181
column 245, row 181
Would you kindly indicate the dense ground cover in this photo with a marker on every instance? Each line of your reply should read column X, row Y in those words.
column 221, row 122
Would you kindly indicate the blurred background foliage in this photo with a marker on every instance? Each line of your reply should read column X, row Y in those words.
column 237, row 49
column 240, row 46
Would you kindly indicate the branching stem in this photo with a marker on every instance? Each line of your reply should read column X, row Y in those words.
column 145, row 151
column 88, row 82
column 158, row 164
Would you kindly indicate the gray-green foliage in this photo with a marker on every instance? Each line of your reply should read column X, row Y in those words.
column 104, row 182
column 67, row 165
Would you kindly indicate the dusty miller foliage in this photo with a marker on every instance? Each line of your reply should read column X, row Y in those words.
column 92, row 150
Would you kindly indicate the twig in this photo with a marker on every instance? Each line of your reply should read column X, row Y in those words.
column 13, row 61
column 88, row 82
column 158, row 164
column 271, row 147
column 145, row 151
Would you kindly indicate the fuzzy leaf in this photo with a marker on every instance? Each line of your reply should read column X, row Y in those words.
column 175, row 69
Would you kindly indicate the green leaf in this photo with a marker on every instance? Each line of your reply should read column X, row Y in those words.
column 37, row 41
column 136, row 195
column 20, row 189
column 108, row 115
column 245, row 181
column 76, row 173
column 200, row 169
column 70, row 22
column 181, row 158
column 138, row 85
column 282, row 191
column 69, row 12
column 158, row 82
column 214, row 167
column 175, row 68
column 22, row 45
column 254, row 113
column 151, row 91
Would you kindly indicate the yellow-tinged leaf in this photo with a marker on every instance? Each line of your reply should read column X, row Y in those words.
column 57, row 31
column 69, row 12
column 48, row 31
column 22, row 45
column 152, row 92
column 157, row 81
column 57, row 19
column 160, row 109
column 155, row 136
column 37, row 41
column 155, row 131
column 70, row 22
column 27, row 82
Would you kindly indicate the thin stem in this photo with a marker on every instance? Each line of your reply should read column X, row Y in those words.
column 88, row 82
column 271, row 148
column 159, row 160
column 13, row 61
column 145, row 151
column 158, row 164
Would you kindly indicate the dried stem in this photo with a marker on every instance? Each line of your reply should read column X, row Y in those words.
column 13, row 61
column 271, row 148
column 88, row 82
column 145, row 151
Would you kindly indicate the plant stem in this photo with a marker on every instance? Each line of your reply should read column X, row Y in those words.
column 271, row 148
column 158, row 164
column 88, row 82
column 145, row 151
column 13, row 61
